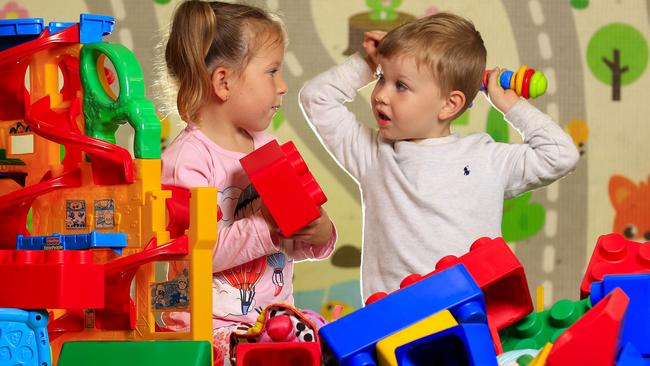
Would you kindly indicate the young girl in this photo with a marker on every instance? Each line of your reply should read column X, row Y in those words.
column 226, row 60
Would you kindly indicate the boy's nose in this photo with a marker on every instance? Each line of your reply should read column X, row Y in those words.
column 282, row 86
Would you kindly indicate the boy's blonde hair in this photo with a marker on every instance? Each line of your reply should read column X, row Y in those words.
column 205, row 35
column 448, row 45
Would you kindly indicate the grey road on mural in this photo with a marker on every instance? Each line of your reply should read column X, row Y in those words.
column 546, row 39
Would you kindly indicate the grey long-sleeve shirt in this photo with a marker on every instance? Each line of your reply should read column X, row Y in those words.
column 423, row 201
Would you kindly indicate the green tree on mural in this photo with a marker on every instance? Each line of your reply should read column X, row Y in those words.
column 617, row 55
column 382, row 9
column 579, row 4
column 521, row 219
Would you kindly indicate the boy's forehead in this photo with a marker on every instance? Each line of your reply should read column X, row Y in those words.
column 405, row 64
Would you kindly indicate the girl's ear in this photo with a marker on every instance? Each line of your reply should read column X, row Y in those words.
column 221, row 82
column 452, row 105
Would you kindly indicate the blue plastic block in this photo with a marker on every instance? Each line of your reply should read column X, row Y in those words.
column 17, row 31
column 93, row 27
column 464, row 344
column 21, row 27
column 351, row 340
column 23, row 338
column 637, row 288
column 55, row 27
column 630, row 356
column 56, row 241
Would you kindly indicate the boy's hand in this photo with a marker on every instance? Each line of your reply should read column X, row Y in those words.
column 318, row 232
column 502, row 99
column 370, row 43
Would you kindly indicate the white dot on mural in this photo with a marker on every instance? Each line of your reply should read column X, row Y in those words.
column 551, row 87
column 118, row 9
column 544, row 42
column 550, row 224
column 548, row 259
column 553, row 111
column 548, row 293
column 126, row 38
column 292, row 63
column 536, row 13
column 553, row 191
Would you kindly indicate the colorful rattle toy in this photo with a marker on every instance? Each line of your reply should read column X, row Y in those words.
column 526, row 82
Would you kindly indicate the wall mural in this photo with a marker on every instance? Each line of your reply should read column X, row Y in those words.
column 601, row 105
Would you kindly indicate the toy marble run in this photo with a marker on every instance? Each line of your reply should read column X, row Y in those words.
column 526, row 82
column 95, row 191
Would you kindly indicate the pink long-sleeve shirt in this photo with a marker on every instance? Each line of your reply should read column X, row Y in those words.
column 252, row 268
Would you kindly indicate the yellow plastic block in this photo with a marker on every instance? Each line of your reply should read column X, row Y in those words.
column 540, row 360
column 433, row 324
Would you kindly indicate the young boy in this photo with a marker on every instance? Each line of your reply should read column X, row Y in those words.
column 428, row 193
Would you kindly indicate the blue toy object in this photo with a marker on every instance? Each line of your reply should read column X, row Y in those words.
column 464, row 344
column 115, row 241
column 16, row 31
column 351, row 340
column 93, row 27
column 630, row 356
column 637, row 288
column 23, row 338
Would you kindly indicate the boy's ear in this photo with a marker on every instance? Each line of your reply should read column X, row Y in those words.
column 454, row 102
column 221, row 82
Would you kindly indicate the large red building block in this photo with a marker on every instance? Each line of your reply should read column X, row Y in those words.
column 499, row 274
column 279, row 354
column 287, row 188
column 594, row 339
column 614, row 254
column 50, row 279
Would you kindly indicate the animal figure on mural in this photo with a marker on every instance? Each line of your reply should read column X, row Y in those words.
column 632, row 204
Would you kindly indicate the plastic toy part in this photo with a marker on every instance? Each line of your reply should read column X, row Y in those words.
column 51, row 279
column 614, row 254
column 538, row 328
column 542, row 356
column 23, row 338
column 526, row 82
column 452, row 289
column 594, row 339
column 465, row 344
column 104, row 114
column 630, row 356
column 56, row 241
column 16, row 31
column 93, row 27
column 499, row 274
column 636, row 329
column 279, row 354
column 287, row 188
column 435, row 323
column 151, row 353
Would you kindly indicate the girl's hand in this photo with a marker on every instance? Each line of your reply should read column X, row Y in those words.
column 318, row 232
column 502, row 99
column 370, row 43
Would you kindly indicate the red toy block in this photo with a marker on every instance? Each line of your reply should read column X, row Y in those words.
column 498, row 272
column 287, row 188
column 279, row 354
column 50, row 279
column 614, row 254
column 594, row 339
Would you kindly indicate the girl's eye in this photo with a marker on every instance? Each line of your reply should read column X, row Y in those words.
column 273, row 72
column 401, row 86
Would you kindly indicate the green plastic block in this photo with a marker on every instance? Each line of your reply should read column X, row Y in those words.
column 145, row 353
column 538, row 328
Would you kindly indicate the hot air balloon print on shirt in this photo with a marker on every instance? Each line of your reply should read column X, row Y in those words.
column 244, row 278
column 277, row 261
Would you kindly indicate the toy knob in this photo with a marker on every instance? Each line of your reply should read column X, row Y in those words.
column 280, row 328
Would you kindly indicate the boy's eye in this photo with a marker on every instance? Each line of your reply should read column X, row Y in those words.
column 401, row 86
column 273, row 72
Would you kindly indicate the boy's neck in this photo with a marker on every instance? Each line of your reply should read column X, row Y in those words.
column 443, row 131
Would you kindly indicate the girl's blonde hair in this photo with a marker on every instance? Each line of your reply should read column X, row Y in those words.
column 204, row 35
column 447, row 45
